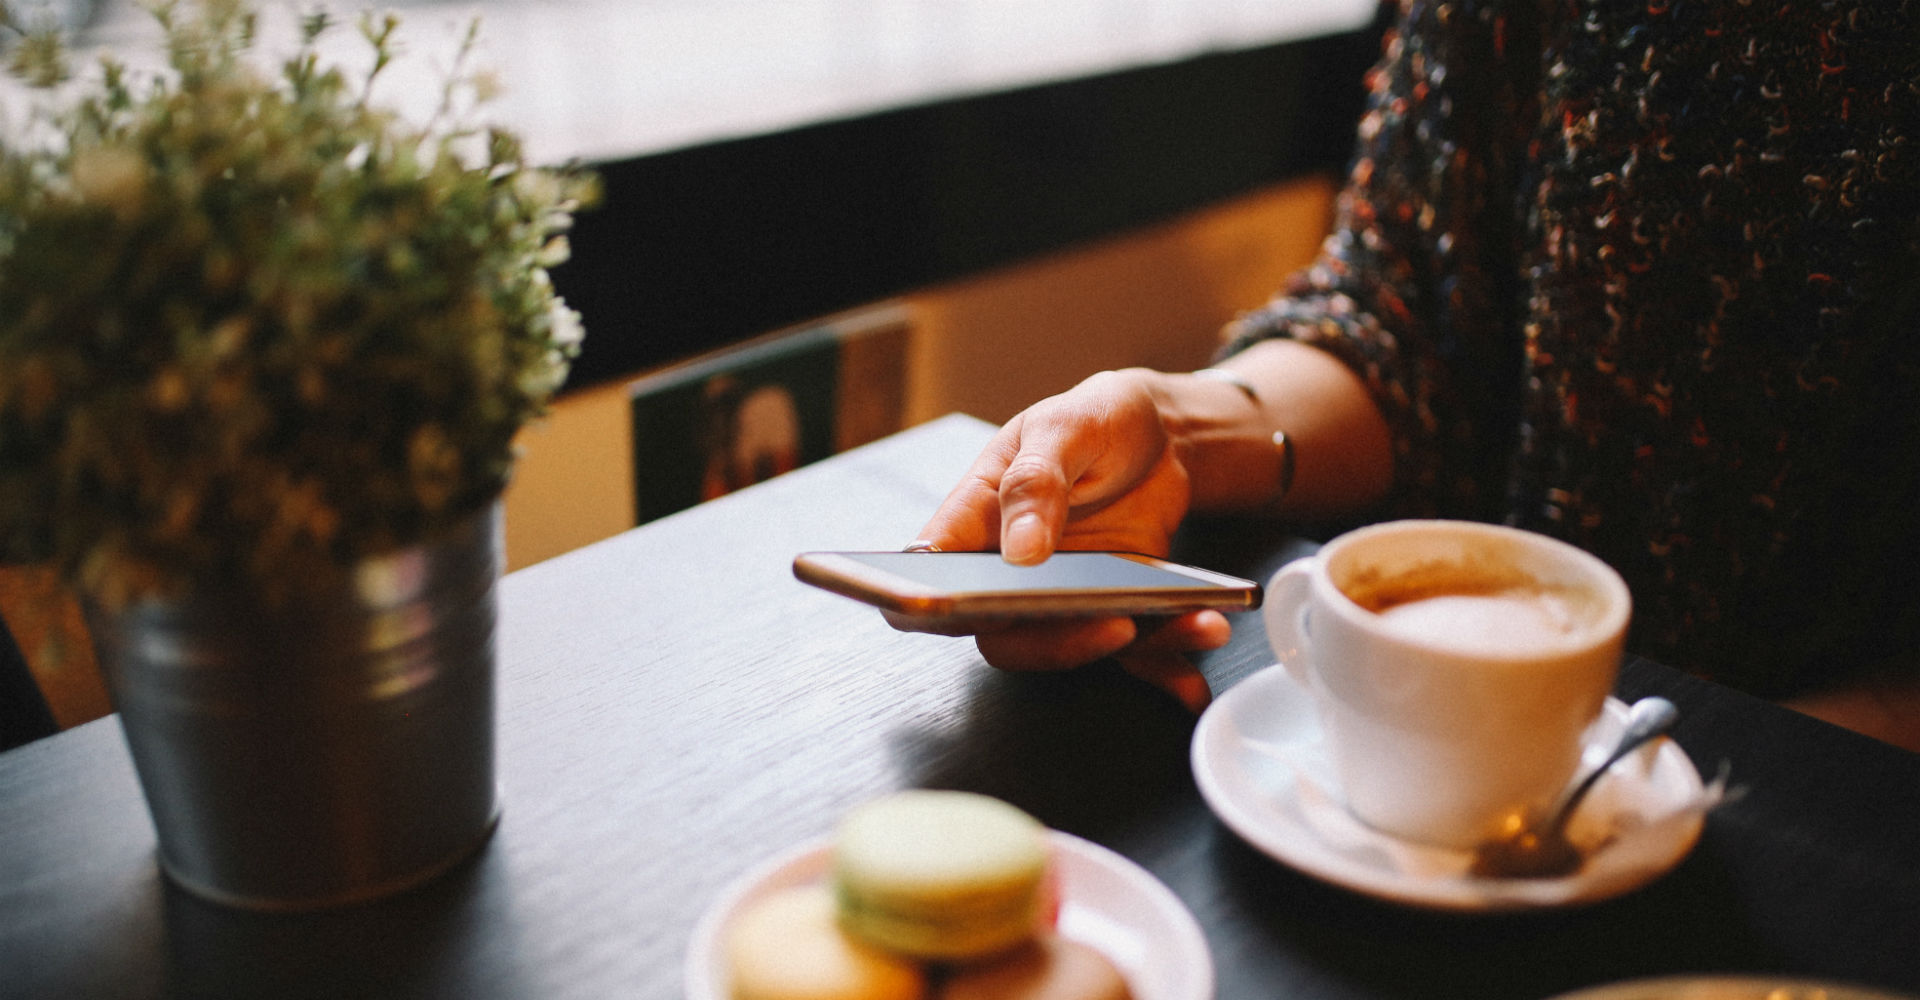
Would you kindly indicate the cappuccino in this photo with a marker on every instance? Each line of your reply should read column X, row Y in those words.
column 1510, row 622
column 1471, row 606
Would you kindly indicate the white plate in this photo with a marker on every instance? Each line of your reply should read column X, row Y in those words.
column 1106, row 901
column 1261, row 766
column 1728, row 988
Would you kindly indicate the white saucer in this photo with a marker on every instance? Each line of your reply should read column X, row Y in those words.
column 1729, row 988
column 1259, row 760
column 1106, row 901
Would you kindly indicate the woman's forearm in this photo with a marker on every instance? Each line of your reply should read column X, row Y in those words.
column 1342, row 450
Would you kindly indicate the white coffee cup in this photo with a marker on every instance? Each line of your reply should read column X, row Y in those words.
column 1455, row 665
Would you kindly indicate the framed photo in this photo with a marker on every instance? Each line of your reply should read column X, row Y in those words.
column 717, row 423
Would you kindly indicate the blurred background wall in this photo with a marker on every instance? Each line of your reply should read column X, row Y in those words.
column 1024, row 192
column 985, row 344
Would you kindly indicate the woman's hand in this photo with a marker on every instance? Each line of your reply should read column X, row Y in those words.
column 1096, row 467
column 1091, row 468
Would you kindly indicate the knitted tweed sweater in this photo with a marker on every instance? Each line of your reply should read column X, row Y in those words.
column 1646, row 277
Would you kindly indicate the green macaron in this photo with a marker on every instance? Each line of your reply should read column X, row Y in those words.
column 940, row 875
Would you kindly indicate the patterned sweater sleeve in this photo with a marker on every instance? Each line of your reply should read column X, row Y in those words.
column 1415, row 287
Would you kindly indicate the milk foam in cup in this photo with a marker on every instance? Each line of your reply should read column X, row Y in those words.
column 1455, row 667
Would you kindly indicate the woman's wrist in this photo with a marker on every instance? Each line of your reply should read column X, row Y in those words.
column 1223, row 434
column 1282, row 443
column 1338, row 440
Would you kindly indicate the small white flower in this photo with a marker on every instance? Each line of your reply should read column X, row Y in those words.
column 565, row 323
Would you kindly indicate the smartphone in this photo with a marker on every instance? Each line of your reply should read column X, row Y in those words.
column 981, row 584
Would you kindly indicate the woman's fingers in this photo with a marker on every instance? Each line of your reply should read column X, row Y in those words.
column 1174, row 674
column 1159, row 655
column 1187, row 633
column 1159, row 659
column 1042, row 473
column 1078, row 453
column 968, row 520
column 1153, row 649
column 1055, row 644
column 1035, row 487
column 952, row 625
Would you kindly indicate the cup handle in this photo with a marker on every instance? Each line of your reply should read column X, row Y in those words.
column 1285, row 614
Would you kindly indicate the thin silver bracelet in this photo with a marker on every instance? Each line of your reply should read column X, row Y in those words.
column 1282, row 444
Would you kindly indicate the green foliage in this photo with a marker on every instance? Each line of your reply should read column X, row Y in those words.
column 253, row 326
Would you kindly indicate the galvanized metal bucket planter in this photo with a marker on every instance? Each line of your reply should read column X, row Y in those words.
column 333, row 749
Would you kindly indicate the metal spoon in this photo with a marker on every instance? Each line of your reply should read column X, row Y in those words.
column 1542, row 850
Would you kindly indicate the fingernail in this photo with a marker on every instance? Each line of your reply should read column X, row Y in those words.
column 1025, row 540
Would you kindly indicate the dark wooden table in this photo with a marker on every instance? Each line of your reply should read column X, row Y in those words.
column 676, row 708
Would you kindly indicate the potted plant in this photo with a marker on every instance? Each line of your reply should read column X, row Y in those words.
column 264, row 350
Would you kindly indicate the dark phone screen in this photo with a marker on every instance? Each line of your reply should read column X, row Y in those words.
column 976, row 572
